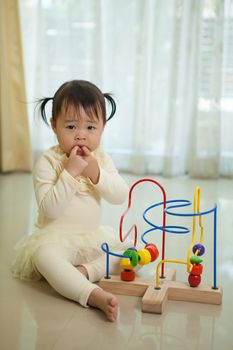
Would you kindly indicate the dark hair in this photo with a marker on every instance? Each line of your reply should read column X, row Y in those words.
column 79, row 93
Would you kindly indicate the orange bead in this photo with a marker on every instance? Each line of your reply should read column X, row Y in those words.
column 197, row 269
column 153, row 251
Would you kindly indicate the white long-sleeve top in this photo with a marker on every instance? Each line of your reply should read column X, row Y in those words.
column 73, row 204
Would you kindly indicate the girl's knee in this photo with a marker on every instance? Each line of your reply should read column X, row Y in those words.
column 42, row 253
column 45, row 255
column 40, row 257
column 50, row 255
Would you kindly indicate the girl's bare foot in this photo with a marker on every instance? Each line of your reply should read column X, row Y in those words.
column 104, row 301
column 83, row 270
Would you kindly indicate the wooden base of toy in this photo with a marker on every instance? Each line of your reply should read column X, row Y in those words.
column 154, row 300
column 135, row 288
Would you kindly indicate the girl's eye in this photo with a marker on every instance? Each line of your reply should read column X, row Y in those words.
column 70, row 127
column 91, row 127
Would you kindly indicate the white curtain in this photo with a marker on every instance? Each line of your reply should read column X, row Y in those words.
column 168, row 63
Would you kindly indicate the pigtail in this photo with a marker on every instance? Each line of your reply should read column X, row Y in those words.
column 113, row 105
column 41, row 103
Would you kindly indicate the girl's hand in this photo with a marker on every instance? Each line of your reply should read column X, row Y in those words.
column 92, row 170
column 75, row 164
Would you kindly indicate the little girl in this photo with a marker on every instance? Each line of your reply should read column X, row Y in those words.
column 70, row 179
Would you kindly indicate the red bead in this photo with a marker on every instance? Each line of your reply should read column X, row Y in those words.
column 194, row 280
column 197, row 269
column 153, row 251
column 127, row 275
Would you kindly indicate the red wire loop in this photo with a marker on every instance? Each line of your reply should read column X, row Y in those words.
column 122, row 239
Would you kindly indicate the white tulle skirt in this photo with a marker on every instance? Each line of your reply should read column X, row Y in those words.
column 85, row 243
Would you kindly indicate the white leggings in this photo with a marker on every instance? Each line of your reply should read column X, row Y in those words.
column 58, row 266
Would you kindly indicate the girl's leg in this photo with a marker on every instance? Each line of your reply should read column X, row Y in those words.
column 56, row 264
column 96, row 269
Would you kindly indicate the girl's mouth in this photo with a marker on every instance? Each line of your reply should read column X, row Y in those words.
column 80, row 151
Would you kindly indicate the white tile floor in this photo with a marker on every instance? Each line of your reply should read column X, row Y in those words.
column 33, row 316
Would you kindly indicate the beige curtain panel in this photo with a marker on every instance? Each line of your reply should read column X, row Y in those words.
column 15, row 150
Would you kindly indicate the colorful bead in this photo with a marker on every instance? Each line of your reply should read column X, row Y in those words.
column 127, row 275
column 195, row 260
column 200, row 248
column 132, row 248
column 144, row 257
column 153, row 251
column 133, row 256
column 197, row 269
column 126, row 264
column 194, row 280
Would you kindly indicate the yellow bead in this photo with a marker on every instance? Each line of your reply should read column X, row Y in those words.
column 144, row 257
column 125, row 264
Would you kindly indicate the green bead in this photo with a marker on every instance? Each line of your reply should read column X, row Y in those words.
column 195, row 260
column 133, row 256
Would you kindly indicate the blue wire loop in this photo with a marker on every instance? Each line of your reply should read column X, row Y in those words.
column 105, row 248
column 179, row 203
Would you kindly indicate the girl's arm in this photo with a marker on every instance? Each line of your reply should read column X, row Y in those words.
column 54, row 188
column 111, row 186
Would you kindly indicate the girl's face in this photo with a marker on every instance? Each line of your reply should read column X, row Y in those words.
column 77, row 130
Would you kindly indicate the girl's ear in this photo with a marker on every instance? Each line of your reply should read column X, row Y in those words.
column 53, row 124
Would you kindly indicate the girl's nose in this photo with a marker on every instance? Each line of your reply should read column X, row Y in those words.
column 80, row 135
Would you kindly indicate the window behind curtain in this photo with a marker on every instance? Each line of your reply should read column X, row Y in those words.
column 110, row 39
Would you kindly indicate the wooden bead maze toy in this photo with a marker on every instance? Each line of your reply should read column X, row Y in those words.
column 155, row 293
